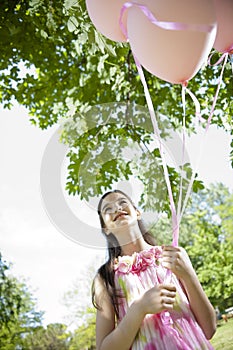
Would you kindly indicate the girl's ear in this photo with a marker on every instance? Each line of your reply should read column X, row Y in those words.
column 139, row 216
column 106, row 230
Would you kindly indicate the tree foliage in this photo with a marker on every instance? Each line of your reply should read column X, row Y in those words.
column 20, row 323
column 81, row 314
column 210, row 220
column 54, row 337
column 78, row 298
column 18, row 314
column 84, row 337
column 69, row 67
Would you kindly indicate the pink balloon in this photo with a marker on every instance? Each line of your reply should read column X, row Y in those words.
column 172, row 55
column 105, row 15
column 224, row 14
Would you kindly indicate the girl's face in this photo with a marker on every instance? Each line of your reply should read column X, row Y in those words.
column 117, row 211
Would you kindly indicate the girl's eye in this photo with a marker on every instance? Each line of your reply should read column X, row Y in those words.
column 107, row 210
column 123, row 202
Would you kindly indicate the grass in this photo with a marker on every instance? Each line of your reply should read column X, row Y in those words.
column 223, row 338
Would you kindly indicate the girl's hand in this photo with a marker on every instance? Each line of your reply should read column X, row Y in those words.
column 177, row 260
column 159, row 298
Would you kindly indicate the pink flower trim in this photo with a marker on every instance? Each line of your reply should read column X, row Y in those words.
column 138, row 261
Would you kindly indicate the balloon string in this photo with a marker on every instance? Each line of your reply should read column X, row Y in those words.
column 170, row 26
column 198, row 114
column 164, row 25
column 224, row 57
column 183, row 151
column 175, row 224
column 198, row 117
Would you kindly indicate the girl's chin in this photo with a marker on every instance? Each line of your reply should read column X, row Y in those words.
column 124, row 223
column 122, row 218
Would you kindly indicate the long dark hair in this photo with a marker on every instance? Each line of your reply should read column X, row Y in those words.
column 106, row 271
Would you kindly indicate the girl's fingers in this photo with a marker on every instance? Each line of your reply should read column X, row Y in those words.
column 170, row 261
column 170, row 248
column 168, row 288
column 177, row 260
column 168, row 294
column 168, row 301
column 168, row 306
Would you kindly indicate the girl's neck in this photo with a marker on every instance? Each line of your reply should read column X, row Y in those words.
column 136, row 246
column 130, row 239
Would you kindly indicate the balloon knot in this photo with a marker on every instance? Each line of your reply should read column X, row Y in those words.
column 184, row 83
column 229, row 50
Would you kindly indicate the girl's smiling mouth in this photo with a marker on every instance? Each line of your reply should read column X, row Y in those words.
column 120, row 215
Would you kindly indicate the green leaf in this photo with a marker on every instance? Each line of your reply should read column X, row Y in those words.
column 72, row 24
column 68, row 4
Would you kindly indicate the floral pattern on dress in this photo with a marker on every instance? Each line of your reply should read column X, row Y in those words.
column 138, row 262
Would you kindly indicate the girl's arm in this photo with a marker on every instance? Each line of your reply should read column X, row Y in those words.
column 122, row 336
column 177, row 260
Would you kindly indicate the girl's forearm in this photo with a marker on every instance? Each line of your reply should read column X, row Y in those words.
column 124, row 334
column 200, row 305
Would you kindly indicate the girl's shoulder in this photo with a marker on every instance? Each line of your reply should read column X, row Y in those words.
column 99, row 292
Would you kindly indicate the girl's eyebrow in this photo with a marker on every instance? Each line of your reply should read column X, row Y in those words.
column 108, row 203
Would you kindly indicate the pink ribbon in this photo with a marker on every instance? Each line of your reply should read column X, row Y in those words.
column 164, row 25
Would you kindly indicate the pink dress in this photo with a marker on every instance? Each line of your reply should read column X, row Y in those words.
column 176, row 330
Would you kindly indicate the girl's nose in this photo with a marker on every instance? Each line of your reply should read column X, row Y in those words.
column 118, row 206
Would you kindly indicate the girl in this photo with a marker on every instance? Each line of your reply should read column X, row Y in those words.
column 136, row 307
